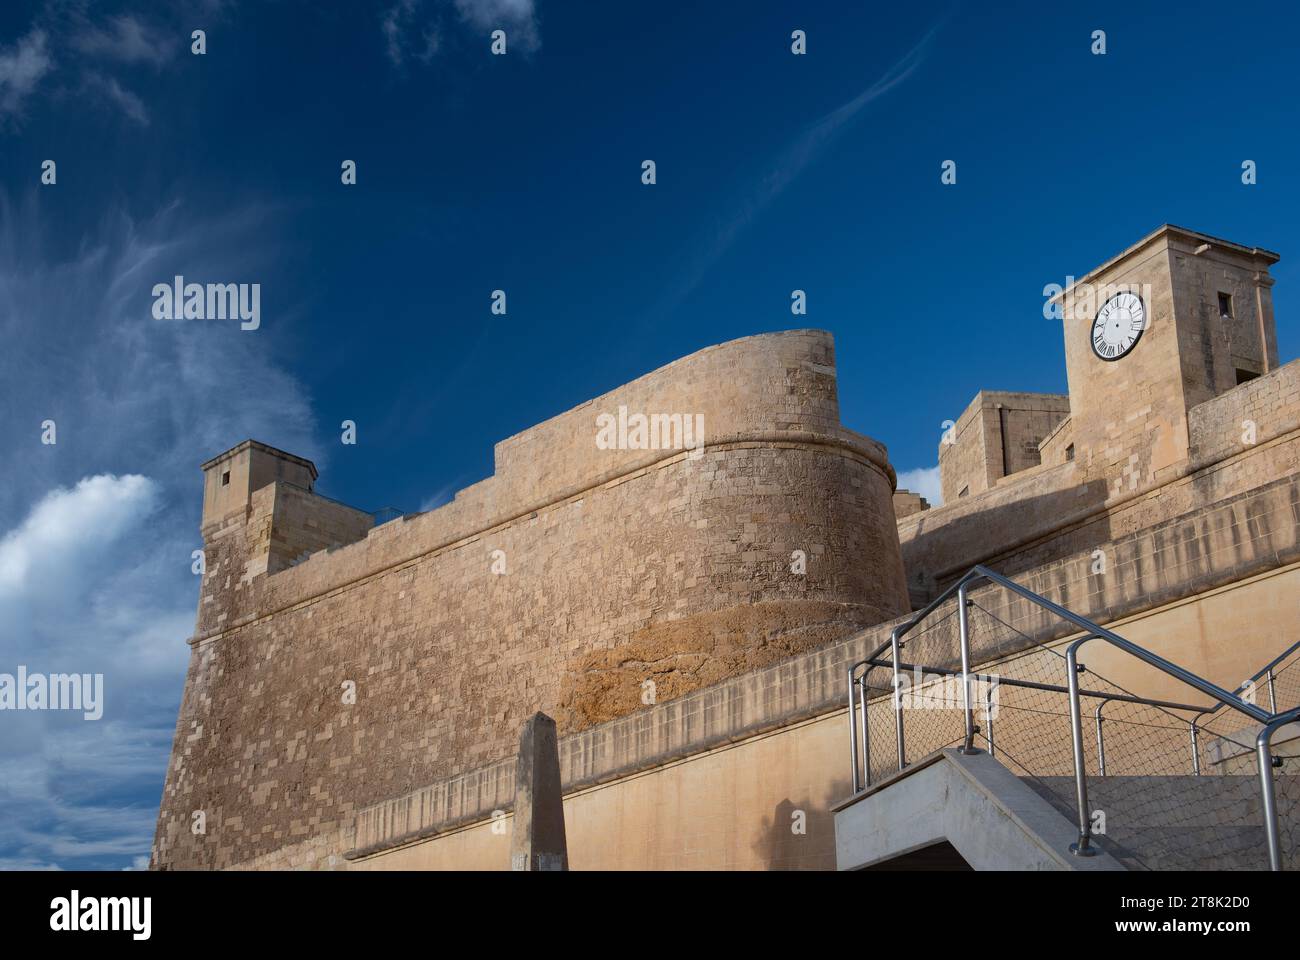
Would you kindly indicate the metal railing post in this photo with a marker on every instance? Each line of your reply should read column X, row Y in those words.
column 1080, row 849
column 898, row 704
column 1101, row 743
column 1272, row 693
column 988, row 718
column 1196, row 753
column 1264, row 756
column 853, row 733
column 866, row 735
column 962, row 620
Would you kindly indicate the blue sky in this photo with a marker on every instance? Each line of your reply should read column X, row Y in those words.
column 523, row 173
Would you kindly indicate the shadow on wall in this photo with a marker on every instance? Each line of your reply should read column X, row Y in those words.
column 940, row 552
column 801, row 835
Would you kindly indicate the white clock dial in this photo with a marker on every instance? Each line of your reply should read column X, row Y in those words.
column 1118, row 326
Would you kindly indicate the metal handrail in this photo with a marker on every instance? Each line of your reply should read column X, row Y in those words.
column 1146, row 656
column 1202, row 712
column 1093, row 631
column 960, row 587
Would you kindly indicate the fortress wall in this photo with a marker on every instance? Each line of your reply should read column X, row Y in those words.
column 733, row 806
column 948, row 540
column 768, row 388
column 1204, row 590
column 676, row 570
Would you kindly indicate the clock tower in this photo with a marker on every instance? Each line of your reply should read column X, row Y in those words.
column 1176, row 319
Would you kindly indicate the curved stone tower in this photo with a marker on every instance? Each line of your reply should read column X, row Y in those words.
column 610, row 556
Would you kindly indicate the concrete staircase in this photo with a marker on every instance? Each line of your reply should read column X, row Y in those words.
column 973, row 808
column 970, row 804
column 1174, row 822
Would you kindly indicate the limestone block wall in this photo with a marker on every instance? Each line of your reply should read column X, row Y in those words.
column 1025, row 420
column 1258, row 411
column 577, row 580
column 996, row 436
column 1213, row 590
column 1058, row 446
column 965, row 453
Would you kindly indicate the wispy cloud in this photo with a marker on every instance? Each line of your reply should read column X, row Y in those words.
column 440, row 497
column 21, row 68
column 415, row 29
column 121, row 41
column 99, row 55
column 404, row 36
column 517, row 17
column 112, row 91
column 794, row 159
column 126, row 39
column 96, row 531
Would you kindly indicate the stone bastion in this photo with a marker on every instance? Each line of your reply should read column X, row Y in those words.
column 600, row 569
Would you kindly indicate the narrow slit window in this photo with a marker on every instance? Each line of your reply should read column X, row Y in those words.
column 1225, row 306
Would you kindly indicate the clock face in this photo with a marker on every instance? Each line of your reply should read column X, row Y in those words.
column 1118, row 326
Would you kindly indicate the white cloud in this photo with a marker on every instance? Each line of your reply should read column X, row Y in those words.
column 21, row 68
column 64, row 532
column 922, row 480
column 59, row 573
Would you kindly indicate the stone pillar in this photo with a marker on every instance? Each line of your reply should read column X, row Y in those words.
column 537, row 841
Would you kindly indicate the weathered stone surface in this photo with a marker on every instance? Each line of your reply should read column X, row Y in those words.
column 537, row 839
